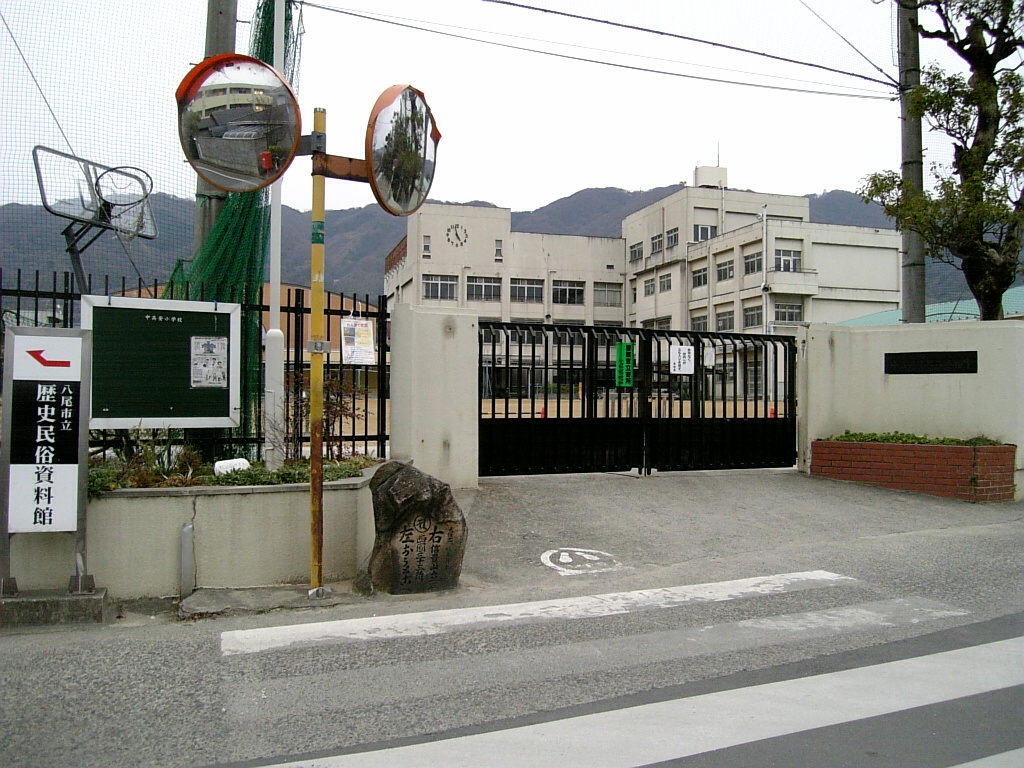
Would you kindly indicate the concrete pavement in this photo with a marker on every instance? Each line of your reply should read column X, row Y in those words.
column 533, row 537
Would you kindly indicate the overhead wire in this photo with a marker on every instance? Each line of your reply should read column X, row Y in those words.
column 843, row 37
column 616, row 65
column 690, row 39
column 612, row 51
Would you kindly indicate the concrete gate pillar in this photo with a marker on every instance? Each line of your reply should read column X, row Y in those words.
column 434, row 400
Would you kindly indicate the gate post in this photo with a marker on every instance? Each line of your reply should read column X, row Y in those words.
column 434, row 381
column 644, row 360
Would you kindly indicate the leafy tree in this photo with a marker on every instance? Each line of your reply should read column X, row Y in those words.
column 974, row 217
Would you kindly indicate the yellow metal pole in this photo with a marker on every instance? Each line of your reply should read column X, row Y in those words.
column 316, row 375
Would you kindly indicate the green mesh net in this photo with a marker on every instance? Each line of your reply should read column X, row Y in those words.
column 228, row 266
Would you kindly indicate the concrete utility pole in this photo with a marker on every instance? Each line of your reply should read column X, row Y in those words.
column 913, row 282
column 220, row 38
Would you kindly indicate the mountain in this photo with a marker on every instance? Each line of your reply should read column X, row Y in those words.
column 358, row 239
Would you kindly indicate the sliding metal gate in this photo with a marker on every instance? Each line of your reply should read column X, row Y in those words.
column 550, row 401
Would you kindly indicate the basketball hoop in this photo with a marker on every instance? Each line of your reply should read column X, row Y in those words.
column 96, row 198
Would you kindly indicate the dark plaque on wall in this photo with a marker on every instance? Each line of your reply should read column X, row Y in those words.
column 931, row 362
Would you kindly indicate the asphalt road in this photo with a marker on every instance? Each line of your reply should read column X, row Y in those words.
column 753, row 618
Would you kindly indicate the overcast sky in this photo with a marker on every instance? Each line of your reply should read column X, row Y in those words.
column 519, row 129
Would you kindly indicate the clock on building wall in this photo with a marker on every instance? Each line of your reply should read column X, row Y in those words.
column 457, row 235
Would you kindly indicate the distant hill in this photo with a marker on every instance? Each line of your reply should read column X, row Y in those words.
column 358, row 239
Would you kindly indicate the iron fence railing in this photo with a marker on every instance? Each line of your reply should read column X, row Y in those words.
column 356, row 395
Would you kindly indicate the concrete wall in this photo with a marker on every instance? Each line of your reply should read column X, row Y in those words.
column 434, row 406
column 245, row 536
column 843, row 384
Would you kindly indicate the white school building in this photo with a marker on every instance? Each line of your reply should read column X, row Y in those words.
column 694, row 260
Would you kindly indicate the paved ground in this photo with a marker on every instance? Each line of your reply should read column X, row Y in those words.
column 667, row 529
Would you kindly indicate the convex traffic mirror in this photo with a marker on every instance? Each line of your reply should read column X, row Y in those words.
column 238, row 121
column 401, row 149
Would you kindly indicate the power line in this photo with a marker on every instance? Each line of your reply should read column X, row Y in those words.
column 842, row 37
column 34, row 80
column 612, row 51
column 726, row 46
column 568, row 57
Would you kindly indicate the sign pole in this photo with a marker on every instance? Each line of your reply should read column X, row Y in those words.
column 316, row 373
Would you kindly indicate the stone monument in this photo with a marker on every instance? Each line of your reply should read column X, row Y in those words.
column 420, row 532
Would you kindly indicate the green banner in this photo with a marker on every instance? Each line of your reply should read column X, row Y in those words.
column 318, row 233
column 624, row 364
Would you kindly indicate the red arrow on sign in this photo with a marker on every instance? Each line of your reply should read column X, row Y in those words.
column 37, row 355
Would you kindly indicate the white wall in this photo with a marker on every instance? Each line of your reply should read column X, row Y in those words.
column 244, row 537
column 434, row 406
column 843, row 384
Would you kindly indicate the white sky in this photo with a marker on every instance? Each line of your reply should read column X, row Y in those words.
column 519, row 130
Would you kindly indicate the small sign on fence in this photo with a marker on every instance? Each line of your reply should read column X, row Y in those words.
column 680, row 359
column 624, row 364
column 357, row 342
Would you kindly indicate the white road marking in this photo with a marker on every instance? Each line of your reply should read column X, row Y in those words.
column 437, row 622
column 652, row 733
column 1012, row 759
column 250, row 701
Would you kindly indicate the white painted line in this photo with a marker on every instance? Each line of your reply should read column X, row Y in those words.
column 668, row 730
column 1012, row 759
column 437, row 622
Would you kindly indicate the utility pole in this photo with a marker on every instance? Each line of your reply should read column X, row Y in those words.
column 220, row 38
column 913, row 273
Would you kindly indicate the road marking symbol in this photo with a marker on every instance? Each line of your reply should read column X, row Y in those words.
column 573, row 561
column 587, row 606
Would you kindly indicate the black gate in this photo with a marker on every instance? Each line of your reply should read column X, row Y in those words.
column 552, row 400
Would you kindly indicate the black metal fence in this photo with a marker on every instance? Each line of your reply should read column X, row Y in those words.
column 356, row 395
column 572, row 398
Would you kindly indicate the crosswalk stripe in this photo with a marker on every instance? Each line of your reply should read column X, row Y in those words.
column 1012, row 759
column 437, row 622
column 661, row 731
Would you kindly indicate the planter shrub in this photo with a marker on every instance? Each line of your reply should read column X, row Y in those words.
column 968, row 472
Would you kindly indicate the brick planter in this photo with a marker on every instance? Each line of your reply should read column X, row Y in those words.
column 971, row 473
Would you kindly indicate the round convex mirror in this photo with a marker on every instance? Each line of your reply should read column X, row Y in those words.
column 401, row 148
column 238, row 121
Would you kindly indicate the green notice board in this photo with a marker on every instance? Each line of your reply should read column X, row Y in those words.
column 624, row 364
column 161, row 363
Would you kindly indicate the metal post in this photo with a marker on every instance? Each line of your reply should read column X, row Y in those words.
column 382, row 374
column 273, row 358
column 913, row 287
column 220, row 38
column 316, row 374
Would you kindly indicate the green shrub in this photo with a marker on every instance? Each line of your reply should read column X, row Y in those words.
column 111, row 474
column 909, row 439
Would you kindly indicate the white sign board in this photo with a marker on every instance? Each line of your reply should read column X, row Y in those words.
column 45, row 429
column 709, row 357
column 357, row 342
column 680, row 359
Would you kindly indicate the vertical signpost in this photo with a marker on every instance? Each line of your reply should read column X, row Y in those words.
column 44, row 454
column 249, row 143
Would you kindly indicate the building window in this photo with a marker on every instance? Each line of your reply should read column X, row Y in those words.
column 426, row 246
column 607, row 294
column 525, row 290
column 700, row 277
column 497, row 251
column 649, row 287
column 752, row 263
column 567, row 292
column 672, row 238
column 787, row 261
column 723, row 270
column 789, row 313
column 657, row 243
column 704, row 232
column 483, row 288
column 752, row 373
column 636, row 251
column 724, row 321
column 658, row 324
column 752, row 316
column 440, row 287
column 664, row 283
column 699, row 323
column 569, row 337
column 491, row 337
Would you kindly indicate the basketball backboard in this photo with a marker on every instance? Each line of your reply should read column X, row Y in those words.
column 97, row 195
